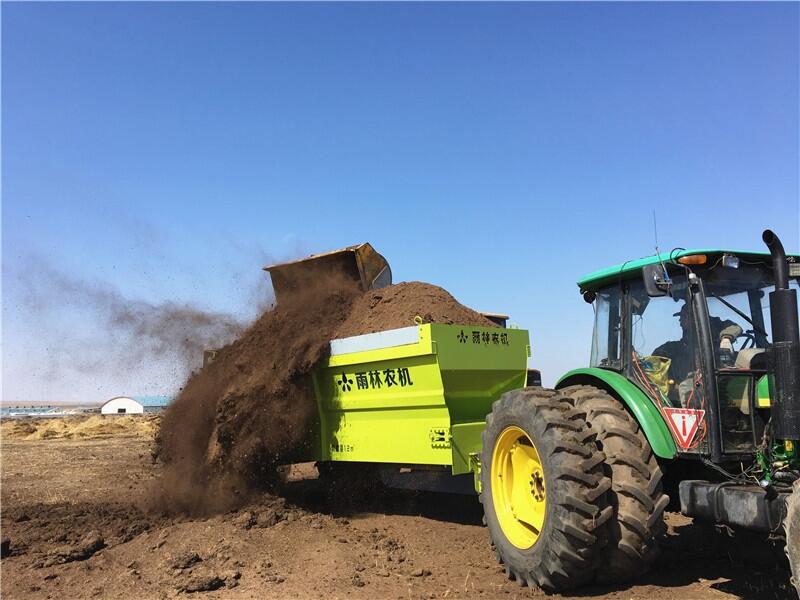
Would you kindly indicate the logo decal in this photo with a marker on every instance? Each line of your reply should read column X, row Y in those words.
column 345, row 383
column 484, row 338
column 375, row 379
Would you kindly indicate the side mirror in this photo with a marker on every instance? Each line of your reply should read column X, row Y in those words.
column 656, row 280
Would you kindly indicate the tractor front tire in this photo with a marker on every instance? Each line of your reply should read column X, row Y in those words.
column 636, row 489
column 791, row 525
column 543, row 490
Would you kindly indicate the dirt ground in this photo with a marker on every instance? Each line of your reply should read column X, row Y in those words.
column 74, row 512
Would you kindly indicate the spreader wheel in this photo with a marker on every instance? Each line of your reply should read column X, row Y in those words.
column 543, row 490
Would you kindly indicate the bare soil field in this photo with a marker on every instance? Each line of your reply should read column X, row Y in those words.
column 75, row 514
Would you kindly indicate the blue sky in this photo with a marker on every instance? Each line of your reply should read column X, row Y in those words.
column 499, row 150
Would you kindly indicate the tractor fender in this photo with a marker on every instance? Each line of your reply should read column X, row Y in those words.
column 646, row 414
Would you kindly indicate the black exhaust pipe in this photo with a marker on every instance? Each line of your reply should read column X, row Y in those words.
column 785, row 351
column 778, row 259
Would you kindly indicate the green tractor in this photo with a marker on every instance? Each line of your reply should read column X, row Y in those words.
column 693, row 390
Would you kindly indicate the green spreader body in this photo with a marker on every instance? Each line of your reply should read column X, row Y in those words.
column 417, row 395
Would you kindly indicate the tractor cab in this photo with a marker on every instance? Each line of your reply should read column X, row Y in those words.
column 691, row 329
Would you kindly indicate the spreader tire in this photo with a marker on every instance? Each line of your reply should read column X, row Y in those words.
column 543, row 490
column 791, row 525
column 636, row 490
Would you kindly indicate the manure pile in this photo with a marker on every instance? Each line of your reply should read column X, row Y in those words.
column 253, row 406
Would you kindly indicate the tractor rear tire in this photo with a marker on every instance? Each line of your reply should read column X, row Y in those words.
column 791, row 525
column 543, row 490
column 636, row 488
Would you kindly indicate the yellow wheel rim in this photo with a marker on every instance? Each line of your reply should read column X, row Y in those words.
column 518, row 489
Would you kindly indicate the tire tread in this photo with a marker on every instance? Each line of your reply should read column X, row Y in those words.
column 577, row 490
column 637, row 497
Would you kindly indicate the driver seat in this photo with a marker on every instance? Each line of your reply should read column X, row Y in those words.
column 750, row 358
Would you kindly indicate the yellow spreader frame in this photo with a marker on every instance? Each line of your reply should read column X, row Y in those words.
column 415, row 396
column 519, row 493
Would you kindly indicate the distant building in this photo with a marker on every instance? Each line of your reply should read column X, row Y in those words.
column 134, row 405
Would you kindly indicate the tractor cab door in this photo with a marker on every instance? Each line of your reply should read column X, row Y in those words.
column 738, row 302
column 653, row 342
column 665, row 360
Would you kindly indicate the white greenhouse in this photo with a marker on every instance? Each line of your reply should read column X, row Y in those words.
column 134, row 405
